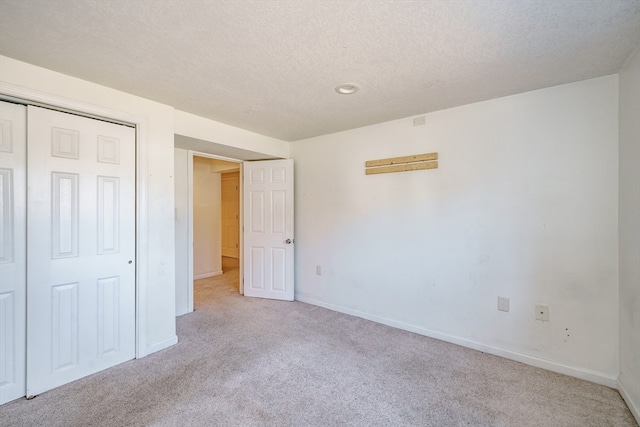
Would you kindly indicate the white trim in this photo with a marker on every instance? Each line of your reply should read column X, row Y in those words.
column 585, row 374
column 633, row 406
column 22, row 93
column 142, row 185
column 142, row 237
column 205, row 275
column 190, row 277
column 241, row 231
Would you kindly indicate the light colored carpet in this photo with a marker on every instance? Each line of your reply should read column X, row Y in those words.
column 253, row 362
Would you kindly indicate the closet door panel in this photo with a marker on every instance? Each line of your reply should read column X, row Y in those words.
column 12, row 250
column 81, row 247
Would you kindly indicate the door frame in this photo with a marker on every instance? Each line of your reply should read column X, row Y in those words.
column 190, row 155
column 15, row 93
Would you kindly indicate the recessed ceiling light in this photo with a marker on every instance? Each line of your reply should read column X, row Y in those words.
column 347, row 89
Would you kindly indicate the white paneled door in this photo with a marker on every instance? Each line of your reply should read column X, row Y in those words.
column 80, row 247
column 13, row 128
column 268, row 229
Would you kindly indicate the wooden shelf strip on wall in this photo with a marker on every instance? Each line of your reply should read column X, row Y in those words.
column 403, row 168
column 401, row 160
column 402, row 164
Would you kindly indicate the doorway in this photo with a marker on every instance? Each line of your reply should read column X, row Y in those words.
column 208, row 221
column 268, row 180
column 216, row 208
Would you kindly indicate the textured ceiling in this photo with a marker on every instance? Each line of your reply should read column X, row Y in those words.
column 271, row 66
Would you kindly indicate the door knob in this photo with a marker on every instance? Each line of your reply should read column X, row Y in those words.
column 288, row 241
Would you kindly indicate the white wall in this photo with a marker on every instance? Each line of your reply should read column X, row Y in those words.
column 207, row 220
column 182, row 236
column 156, row 261
column 229, row 141
column 629, row 234
column 523, row 205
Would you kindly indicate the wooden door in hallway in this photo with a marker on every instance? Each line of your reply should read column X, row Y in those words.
column 231, row 214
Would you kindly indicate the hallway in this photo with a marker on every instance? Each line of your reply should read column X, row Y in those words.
column 205, row 290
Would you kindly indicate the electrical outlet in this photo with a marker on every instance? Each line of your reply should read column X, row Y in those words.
column 503, row 304
column 318, row 270
column 542, row 312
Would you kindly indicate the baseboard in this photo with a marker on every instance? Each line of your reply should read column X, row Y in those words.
column 161, row 345
column 584, row 374
column 205, row 275
column 634, row 407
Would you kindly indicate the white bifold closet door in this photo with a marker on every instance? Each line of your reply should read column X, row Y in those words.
column 13, row 263
column 80, row 247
